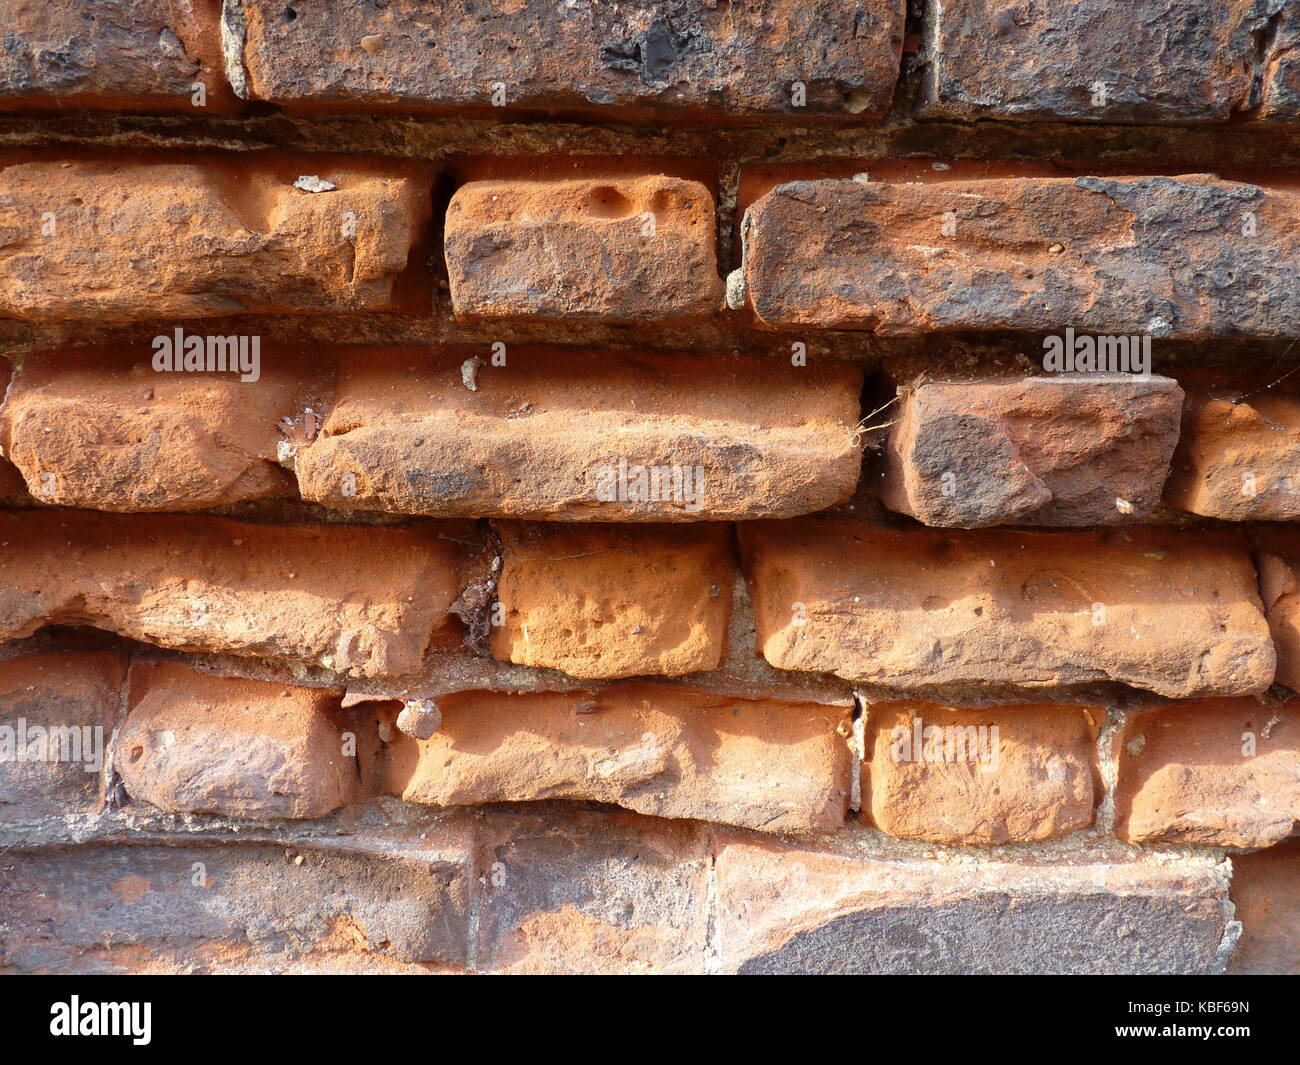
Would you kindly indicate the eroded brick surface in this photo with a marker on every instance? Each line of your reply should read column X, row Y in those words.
column 1224, row 772
column 1080, row 449
column 586, row 437
column 998, row 775
column 1026, row 254
column 362, row 602
column 606, row 601
column 914, row 609
column 673, row 57
column 117, row 239
column 667, row 751
column 194, row 743
column 592, row 249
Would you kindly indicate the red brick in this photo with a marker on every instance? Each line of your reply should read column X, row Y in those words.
column 116, row 54
column 607, row 601
column 362, row 602
column 1266, row 893
column 1223, row 772
column 195, row 743
column 637, row 59
column 922, row 610
column 1091, row 60
column 1082, row 449
column 201, row 237
column 96, row 430
column 57, row 712
column 1113, row 256
column 1006, row 774
column 652, row 748
column 1234, row 460
column 592, row 249
column 564, row 436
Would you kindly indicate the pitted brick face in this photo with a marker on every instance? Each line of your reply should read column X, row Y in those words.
column 670, row 60
column 616, row 250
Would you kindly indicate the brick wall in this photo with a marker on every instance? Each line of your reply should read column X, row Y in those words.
column 654, row 487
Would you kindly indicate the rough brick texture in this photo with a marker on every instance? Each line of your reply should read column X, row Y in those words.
column 1009, row 774
column 125, row 240
column 119, row 54
column 639, row 57
column 601, row 250
column 91, row 430
column 1026, row 254
column 1224, row 772
column 1091, row 60
column 362, row 602
column 57, row 712
column 775, row 766
column 193, row 743
column 605, row 601
column 586, row 437
column 1080, row 449
column 915, row 609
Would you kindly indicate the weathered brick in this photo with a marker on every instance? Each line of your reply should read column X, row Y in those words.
column 1236, row 456
column 574, row 437
column 11, row 481
column 594, row 249
column 653, row 748
column 1114, row 256
column 591, row 892
column 1277, row 557
column 635, row 59
column 360, row 601
column 839, row 909
column 1007, row 774
column 919, row 609
column 1224, row 772
column 1266, row 893
column 238, row 907
column 608, row 601
column 93, row 429
column 1081, row 449
column 195, row 743
column 118, row 54
column 1091, row 60
column 57, row 712
column 116, row 239
column 1281, row 67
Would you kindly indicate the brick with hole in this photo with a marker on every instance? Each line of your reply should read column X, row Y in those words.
column 654, row 748
column 609, row 601
column 1006, row 774
column 107, row 431
column 57, row 713
column 115, row 239
column 586, row 437
column 1116, row 256
column 1237, row 458
column 1079, row 449
column 1221, row 772
column 668, row 59
column 923, row 610
column 588, row 249
column 361, row 602
column 1175, row 61
column 120, row 55
column 197, row 743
